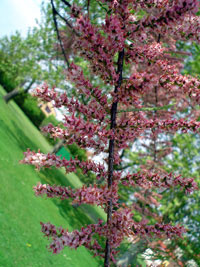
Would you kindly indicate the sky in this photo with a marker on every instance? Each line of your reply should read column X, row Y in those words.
column 18, row 15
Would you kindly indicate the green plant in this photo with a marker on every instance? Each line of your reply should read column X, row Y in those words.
column 30, row 107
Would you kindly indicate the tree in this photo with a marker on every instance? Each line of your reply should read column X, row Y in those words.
column 144, row 42
column 180, row 208
column 30, row 60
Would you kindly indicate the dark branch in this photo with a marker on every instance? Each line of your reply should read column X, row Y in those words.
column 101, row 5
column 120, row 168
column 111, row 154
column 88, row 7
column 28, row 87
column 58, row 34
column 64, row 19
column 66, row 3
column 159, row 36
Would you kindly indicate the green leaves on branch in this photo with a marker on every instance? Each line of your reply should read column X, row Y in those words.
column 146, row 109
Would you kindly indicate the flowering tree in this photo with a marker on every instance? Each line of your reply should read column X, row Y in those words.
column 131, row 51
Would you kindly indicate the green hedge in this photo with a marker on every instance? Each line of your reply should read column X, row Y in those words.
column 24, row 100
column 7, row 82
column 30, row 107
column 76, row 151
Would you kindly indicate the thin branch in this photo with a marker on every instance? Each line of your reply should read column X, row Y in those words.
column 159, row 36
column 29, row 86
column 88, row 7
column 58, row 34
column 66, row 3
column 155, row 112
column 120, row 168
column 146, row 109
column 64, row 19
column 101, row 5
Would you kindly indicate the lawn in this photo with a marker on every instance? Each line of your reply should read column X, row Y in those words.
column 21, row 240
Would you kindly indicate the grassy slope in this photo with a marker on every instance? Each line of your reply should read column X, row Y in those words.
column 21, row 242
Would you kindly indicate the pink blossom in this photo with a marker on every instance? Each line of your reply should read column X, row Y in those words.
column 48, row 160
column 148, row 180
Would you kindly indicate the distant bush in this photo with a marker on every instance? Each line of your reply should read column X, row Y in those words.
column 19, row 99
column 24, row 100
column 6, row 82
column 64, row 153
column 78, row 152
column 30, row 107
column 88, row 178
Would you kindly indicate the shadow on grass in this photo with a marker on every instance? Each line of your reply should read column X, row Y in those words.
column 54, row 176
column 23, row 140
column 18, row 136
column 76, row 216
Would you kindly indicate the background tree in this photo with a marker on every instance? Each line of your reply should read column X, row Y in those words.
column 177, row 207
column 185, row 160
column 30, row 60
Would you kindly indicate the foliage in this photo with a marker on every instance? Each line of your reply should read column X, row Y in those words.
column 6, row 81
column 178, row 207
column 30, row 60
column 192, row 65
column 18, row 60
column 144, row 42
column 76, row 151
column 31, row 109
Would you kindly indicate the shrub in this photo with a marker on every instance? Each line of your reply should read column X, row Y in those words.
column 6, row 82
column 30, row 107
column 78, row 152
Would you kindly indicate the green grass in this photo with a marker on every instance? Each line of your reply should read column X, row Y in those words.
column 21, row 240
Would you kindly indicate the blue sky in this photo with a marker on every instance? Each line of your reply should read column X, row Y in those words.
column 18, row 15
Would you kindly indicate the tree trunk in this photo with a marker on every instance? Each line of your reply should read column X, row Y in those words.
column 111, row 155
column 9, row 96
